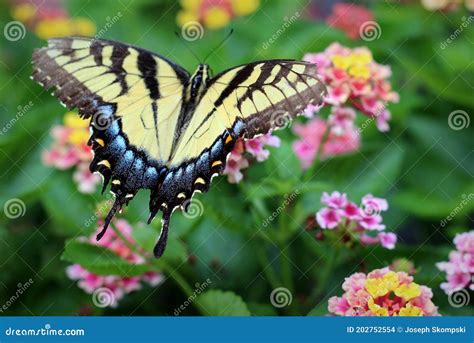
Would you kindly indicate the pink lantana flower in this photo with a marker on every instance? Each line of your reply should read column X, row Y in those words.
column 460, row 267
column 115, row 286
column 245, row 151
column 339, row 135
column 353, row 78
column 349, row 18
column 362, row 224
column 70, row 149
column 383, row 293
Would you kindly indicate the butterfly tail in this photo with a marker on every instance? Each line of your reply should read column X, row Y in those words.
column 116, row 207
column 161, row 244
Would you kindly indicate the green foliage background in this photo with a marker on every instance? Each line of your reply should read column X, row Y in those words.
column 421, row 166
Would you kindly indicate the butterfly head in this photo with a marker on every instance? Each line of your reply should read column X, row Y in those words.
column 199, row 81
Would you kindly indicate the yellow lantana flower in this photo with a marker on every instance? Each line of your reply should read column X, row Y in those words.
column 79, row 133
column 362, row 57
column 376, row 309
column 244, row 7
column 378, row 287
column 191, row 5
column 341, row 62
column 84, row 27
column 185, row 17
column 408, row 292
column 410, row 311
column 360, row 71
column 73, row 121
column 24, row 12
column 216, row 18
column 49, row 28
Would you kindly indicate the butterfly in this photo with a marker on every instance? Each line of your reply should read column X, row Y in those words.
column 154, row 126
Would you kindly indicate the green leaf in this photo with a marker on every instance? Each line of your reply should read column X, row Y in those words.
column 100, row 260
column 220, row 303
column 71, row 212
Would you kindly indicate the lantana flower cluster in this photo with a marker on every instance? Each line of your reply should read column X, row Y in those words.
column 338, row 135
column 49, row 19
column 354, row 79
column 353, row 222
column 383, row 292
column 214, row 14
column 246, row 151
column 70, row 149
column 117, row 285
column 460, row 267
column 349, row 18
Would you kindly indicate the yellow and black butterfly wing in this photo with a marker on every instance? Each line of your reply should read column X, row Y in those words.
column 242, row 102
column 133, row 98
column 249, row 100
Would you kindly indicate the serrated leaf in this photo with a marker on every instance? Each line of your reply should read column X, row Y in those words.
column 220, row 303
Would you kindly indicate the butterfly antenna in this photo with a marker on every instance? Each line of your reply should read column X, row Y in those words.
column 187, row 46
column 220, row 45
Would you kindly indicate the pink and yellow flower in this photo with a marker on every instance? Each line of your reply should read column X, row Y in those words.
column 383, row 293
column 118, row 286
column 460, row 267
column 49, row 19
column 337, row 135
column 214, row 14
column 70, row 149
column 356, row 223
column 353, row 78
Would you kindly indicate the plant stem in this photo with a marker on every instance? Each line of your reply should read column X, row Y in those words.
column 267, row 269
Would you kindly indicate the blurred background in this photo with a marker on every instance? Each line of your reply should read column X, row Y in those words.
column 256, row 232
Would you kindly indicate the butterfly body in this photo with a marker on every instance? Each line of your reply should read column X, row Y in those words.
column 154, row 126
